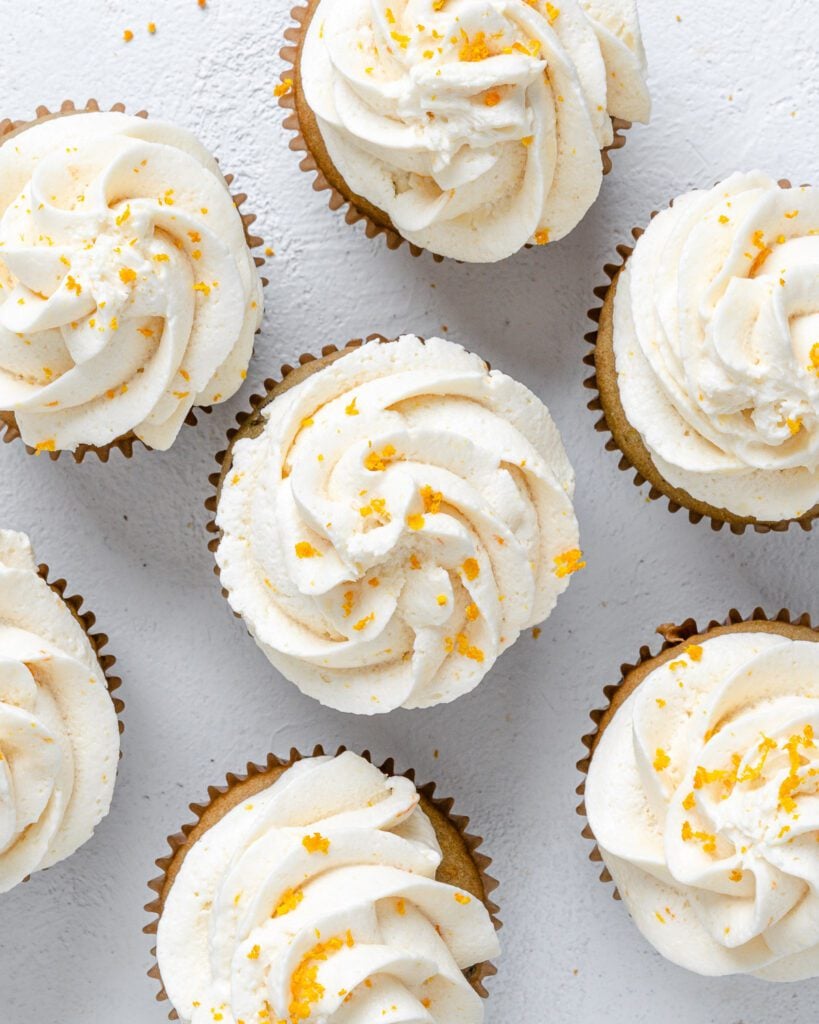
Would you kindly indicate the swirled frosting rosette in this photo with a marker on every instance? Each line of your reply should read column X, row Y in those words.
column 703, row 797
column 474, row 126
column 392, row 522
column 128, row 294
column 716, row 321
column 316, row 901
column 59, row 736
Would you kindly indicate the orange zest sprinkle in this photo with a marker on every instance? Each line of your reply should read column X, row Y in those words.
column 316, row 843
column 351, row 410
column 431, row 499
column 254, row 953
column 304, row 549
column 492, row 98
column 694, row 652
column 661, row 760
column 472, row 612
column 127, row 275
column 290, row 899
column 460, row 643
column 363, row 623
column 462, row 898
column 569, row 562
column 542, row 236
column 127, row 35
column 471, row 569
column 377, row 463
column 415, row 521
column 475, row 49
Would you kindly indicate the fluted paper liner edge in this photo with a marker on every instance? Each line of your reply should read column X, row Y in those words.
column 181, row 842
column 9, row 431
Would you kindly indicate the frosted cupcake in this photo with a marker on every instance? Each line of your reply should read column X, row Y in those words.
column 703, row 797
column 390, row 518
column 59, row 735
column 470, row 128
column 128, row 293
column 324, row 890
column 707, row 356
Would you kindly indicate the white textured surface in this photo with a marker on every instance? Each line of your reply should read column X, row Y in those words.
column 735, row 84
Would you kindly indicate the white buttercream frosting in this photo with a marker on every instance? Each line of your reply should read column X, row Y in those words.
column 703, row 796
column 716, row 340
column 128, row 294
column 475, row 125
column 59, row 737
column 315, row 901
column 402, row 516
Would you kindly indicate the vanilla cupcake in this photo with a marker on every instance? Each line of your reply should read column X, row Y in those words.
column 128, row 293
column 390, row 518
column 324, row 889
column 469, row 128
column 702, row 795
column 59, row 735
column 707, row 357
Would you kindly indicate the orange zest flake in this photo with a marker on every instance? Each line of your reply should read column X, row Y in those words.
column 374, row 582
column 709, row 842
column 431, row 499
column 308, row 421
column 127, row 275
column 462, row 898
column 347, row 604
column 304, row 549
column 114, row 324
column 180, row 394
column 389, row 16
column 791, row 784
column 400, row 38
column 471, row 569
column 146, row 332
column 415, row 562
column 161, row 257
column 542, row 236
column 316, row 843
column 723, row 219
column 442, row 599
column 123, row 217
column 814, row 356
column 415, row 521
column 527, row 140
column 660, row 702
column 694, row 652
column 794, row 425
column 203, row 287
column 736, row 875
column 758, row 240
column 254, row 953
column 46, row 446
column 363, row 623
column 351, row 410
column 401, row 907
column 674, row 665
column 73, row 285
column 569, row 562
column 151, row 28
column 472, row 613
column 290, row 899
column 127, row 35
column 552, row 13
column 783, row 831
column 474, row 49
column 492, row 98
column 690, row 802
column 461, row 644
column 661, row 760
column 305, row 988
column 377, row 463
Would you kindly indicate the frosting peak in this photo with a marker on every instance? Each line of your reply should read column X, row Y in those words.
column 317, row 902
column 59, row 737
column 127, row 291
column 403, row 515
column 476, row 125
column 703, row 795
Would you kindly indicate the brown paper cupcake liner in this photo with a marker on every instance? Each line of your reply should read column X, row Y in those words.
column 326, row 178
column 463, row 865
column 625, row 440
column 631, row 675
column 9, row 431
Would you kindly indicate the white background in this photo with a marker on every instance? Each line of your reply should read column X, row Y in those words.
column 735, row 86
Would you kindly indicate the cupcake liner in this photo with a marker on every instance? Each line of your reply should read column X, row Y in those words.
column 631, row 675
column 301, row 121
column 258, row 777
column 98, row 641
column 9, row 430
column 612, row 420
column 251, row 419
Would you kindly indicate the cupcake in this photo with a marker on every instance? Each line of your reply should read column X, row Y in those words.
column 389, row 519
column 706, row 357
column 702, row 794
column 324, row 889
column 59, row 735
column 128, row 292
column 470, row 128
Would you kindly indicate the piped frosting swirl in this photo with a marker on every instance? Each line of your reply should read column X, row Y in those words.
column 128, row 294
column 403, row 514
